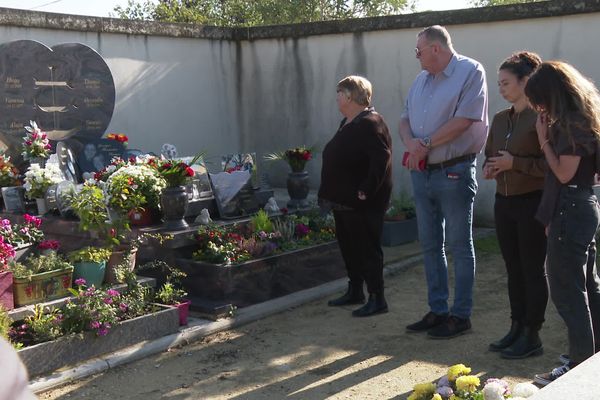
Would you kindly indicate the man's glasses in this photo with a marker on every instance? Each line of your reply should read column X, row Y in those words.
column 419, row 51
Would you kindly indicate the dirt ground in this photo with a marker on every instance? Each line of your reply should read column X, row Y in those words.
column 318, row 352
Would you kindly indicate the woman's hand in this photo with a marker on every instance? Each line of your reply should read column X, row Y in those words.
column 501, row 163
column 541, row 126
column 489, row 172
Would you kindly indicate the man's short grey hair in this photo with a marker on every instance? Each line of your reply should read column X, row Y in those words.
column 437, row 33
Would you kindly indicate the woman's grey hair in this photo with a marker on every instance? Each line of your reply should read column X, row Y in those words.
column 437, row 33
column 359, row 89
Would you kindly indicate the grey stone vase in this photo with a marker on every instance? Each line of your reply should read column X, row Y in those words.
column 297, row 186
column 174, row 204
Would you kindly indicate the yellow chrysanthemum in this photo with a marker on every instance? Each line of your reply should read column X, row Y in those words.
column 457, row 370
column 422, row 391
column 467, row 383
column 437, row 396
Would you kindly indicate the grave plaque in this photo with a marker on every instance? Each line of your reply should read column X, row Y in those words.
column 67, row 89
column 97, row 153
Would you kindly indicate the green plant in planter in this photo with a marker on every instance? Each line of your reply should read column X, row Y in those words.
column 401, row 208
column 170, row 294
column 261, row 222
column 89, row 254
column 44, row 325
column 90, row 206
column 37, row 264
column 5, row 323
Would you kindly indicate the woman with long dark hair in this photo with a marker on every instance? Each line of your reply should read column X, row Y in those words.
column 568, row 129
column 515, row 161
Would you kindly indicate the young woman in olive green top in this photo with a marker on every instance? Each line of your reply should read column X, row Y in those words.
column 514, row 159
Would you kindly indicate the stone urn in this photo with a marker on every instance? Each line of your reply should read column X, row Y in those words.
column 174, row 204
column 297, row 186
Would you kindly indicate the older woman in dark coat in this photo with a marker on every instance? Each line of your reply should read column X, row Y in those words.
column 356, row 182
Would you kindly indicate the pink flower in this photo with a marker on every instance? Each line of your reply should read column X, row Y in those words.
column 80, row 282
column 112, row 292
column 95, row 325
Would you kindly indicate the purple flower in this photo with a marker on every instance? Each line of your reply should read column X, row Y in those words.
column 108, row 300
column 444, row 391
column 95, row 325
column 112, row 292
column 102, row 332
column 123, row 307
column 80, row 282
column 302, row 230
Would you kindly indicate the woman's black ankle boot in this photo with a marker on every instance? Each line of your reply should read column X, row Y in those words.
column 515, row 330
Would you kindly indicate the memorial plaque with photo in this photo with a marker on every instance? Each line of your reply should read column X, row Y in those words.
column 67, row 89
column 97, row 153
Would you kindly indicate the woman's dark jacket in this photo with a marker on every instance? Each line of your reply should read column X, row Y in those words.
column 358, row 158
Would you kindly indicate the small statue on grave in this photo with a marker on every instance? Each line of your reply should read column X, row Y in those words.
column 168, row 151
column 203, row 218
column 271, row 207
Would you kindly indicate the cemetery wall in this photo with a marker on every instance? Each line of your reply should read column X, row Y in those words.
column 265, row 89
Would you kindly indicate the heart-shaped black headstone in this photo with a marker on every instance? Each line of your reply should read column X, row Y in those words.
column 67, row 89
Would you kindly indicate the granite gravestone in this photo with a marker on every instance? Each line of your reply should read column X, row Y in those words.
column 67, row 89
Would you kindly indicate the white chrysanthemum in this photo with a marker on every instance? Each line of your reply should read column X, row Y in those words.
column 493, row 391
column 525, row 390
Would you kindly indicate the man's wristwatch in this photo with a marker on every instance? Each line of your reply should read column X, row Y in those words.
column 426, row 141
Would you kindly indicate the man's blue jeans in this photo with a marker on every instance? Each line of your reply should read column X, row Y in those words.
column 444, row 202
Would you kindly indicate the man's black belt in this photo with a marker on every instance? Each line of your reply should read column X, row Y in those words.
column 451, row 162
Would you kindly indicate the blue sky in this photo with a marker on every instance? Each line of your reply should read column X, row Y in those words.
column 102, row 8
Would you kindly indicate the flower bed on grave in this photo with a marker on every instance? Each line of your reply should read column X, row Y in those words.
column 91, row 323
column 266, row 258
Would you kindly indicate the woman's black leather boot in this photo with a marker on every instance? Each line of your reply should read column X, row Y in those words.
column 515, row 330
column 354, row 295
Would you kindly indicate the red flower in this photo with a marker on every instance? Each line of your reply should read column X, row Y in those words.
column 189, row 171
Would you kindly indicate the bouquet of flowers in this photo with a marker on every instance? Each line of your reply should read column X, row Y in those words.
column 134, row 186
column 38, row 180
column 35, row 143
column 8, row 172
column 115, row 164
column 458, row 384
column 176, row 173
column 296, row 157
column 119, row 137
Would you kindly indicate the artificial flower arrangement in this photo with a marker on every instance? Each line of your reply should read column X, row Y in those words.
column 9, row 174
column 38, row 180
column 296, row 157
column 119, row 137
column 458, row 384
column 35, row 143
column 133, row 187
column 263, row 236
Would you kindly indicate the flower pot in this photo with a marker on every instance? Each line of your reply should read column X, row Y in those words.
column 6, row 290
column 118, row 257
column 142, row 217
column 92, row 272
column 41, row 206
column 297, row 186
column 174, row 204
column 184, row 311
column 41, row 287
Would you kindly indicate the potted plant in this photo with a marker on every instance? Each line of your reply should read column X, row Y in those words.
column 400, row 223
column 133, row 189
column 297, row 182
column 174, row 198
column 38, row 180
column 170, row 292
column 90, row 264
column 40, row 278
column 9, row 174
